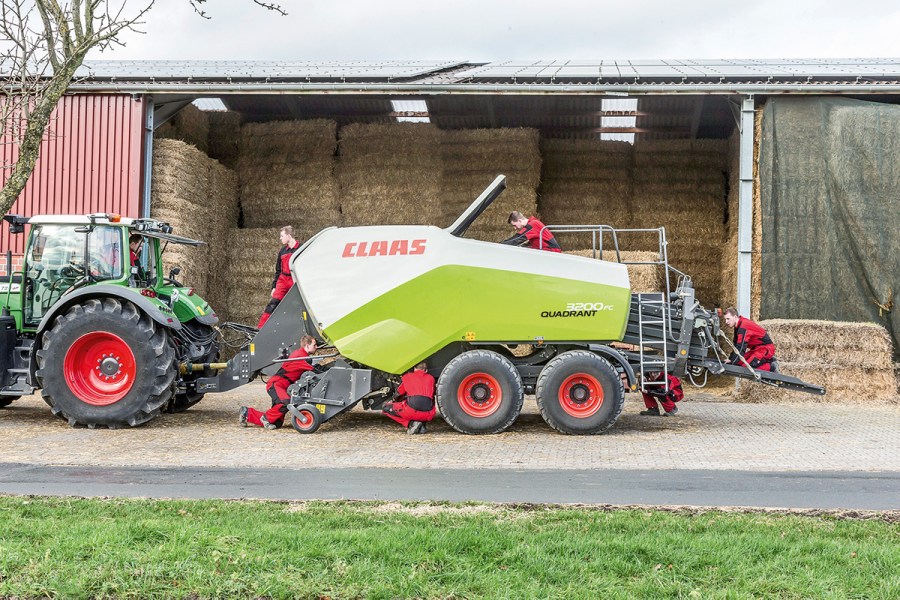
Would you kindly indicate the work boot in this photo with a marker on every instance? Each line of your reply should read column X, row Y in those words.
column 651, row 412
column 242, row 416
column 265, row 423
column 415, row 427
column 673, row 412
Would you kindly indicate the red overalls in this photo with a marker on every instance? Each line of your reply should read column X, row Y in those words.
column 754, row 344
column 418, row 401
column 675, row 394
column 538, row 237
column 277, row 389
column 282, row 282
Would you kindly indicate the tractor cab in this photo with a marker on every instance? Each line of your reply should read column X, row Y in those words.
column 68, row 252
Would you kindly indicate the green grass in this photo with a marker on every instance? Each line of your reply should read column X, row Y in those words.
column 147, row 549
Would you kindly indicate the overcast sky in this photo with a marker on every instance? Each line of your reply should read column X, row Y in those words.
column 491, row 30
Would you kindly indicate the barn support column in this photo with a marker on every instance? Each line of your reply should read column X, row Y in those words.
column 148, row 158
column 745, row 210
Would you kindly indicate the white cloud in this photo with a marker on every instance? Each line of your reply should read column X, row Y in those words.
column 506, row 29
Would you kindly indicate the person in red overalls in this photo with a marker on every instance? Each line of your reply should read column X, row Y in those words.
column 413, row 404
column 531, row 232
column 668, row 399
column 277, row 387
column 752, row 342
column 283, row 281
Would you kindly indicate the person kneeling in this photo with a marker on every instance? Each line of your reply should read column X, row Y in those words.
column 413, row 404
column 652, row 395
column 277, row 387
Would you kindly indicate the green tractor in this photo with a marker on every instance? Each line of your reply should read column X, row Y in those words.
column 93, row 322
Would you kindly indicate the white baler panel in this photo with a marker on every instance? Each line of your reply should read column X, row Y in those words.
column 337, row 274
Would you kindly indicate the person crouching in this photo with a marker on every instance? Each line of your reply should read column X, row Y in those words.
column 667, row 399
column 413, row 404
column 277, row 387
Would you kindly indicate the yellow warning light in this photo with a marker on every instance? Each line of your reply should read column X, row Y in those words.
column 114, row 218
column 683, row 352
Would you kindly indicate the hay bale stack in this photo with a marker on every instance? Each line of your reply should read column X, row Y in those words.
column 472, row 158
column 189, row 125
column 225, row 137
column 287, row 177
column 198, row 197
column 852, row 360
column 644, row 278
column 389, row 174
column 586, row 182
column 680, row 185
column 251, row 267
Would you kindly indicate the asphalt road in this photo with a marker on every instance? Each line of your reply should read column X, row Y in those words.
column 794, row 490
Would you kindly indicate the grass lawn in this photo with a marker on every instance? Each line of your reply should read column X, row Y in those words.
column 150, row 548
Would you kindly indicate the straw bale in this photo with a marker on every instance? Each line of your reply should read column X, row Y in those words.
column 844, row 384
column 250, row 269
column 224, row 138
column 190, row 125
column 390, row 174
column 198, row 197
column 756, row 266
column 644, row 278
column 291, row 142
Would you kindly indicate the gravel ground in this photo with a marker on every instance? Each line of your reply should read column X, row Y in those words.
column 708, row 433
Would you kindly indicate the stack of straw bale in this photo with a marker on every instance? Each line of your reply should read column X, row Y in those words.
column 225, row 137
column 389, row 174
column 586, row 182
column 472, row 159
column 287, row 177
column 852, row 360
column 251, row 268
column 198, row 197
column 680, row 185
column 190, row 125
column 644, row 278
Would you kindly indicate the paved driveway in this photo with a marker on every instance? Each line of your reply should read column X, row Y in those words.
column 709, row 433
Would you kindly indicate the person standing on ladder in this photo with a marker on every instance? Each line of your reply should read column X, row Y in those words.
column 283, row 281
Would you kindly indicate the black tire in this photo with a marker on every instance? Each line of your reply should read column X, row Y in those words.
column 182, row 402
column 580, row 393
column 480, row 392
column 312, row 414
column 7, row 400
column 144, row 356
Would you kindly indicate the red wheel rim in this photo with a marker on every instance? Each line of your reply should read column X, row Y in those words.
column 480, row 395
column 100, row 368
column 581, row 395
column 305, row 420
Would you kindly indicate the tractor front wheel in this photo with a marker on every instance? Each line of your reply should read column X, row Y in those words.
column 104, row 362
column 480, row 391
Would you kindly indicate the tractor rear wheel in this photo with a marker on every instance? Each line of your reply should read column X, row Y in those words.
column 580, row 393
column 480, row 391
column 104, row 362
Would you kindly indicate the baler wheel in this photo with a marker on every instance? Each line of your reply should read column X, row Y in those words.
column 580, row 393
column 104, row 362
column 480, row 391
column 311, row 420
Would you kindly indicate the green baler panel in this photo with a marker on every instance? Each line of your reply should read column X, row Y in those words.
column 406, row 325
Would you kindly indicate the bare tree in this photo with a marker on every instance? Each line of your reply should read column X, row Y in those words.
column 43, row 44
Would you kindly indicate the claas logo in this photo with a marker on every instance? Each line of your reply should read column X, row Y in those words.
column 384, row 248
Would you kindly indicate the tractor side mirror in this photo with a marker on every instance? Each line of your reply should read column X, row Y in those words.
column 174, row 272
column 16, row 223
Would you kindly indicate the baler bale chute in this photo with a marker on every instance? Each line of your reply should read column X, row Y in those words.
column 389, row 297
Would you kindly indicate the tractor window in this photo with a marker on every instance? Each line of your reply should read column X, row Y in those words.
column 105, row 252
column 54, row 263
column 143, row 261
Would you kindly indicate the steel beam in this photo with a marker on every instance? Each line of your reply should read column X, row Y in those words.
column 745, row 210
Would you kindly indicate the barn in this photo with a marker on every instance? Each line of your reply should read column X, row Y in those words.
column 776, row 180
